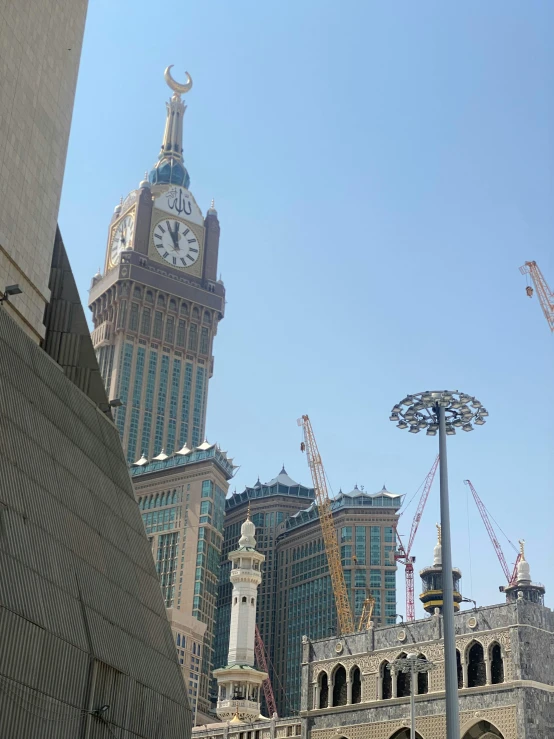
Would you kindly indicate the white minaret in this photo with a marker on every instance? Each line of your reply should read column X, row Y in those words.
column 240, row 682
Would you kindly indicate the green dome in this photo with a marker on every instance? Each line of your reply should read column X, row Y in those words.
column 169, row 171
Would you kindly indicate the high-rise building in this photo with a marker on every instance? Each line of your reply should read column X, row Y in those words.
column 86, row 646
column 182, row 500
column 298, row 598
column 157, row 306
column 270, row 504
column 40, row 50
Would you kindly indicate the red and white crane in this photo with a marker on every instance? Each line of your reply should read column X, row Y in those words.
column 511, row 576
column 259, row 650
column 403, row 554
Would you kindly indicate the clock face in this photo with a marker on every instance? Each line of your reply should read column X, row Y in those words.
column 121, row 238
column 176, row 243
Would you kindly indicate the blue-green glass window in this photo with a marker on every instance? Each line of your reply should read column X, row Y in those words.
column 123, row 391
column 173, row 402
column 146, row 321
column 133, row 317
column 162, row 397
column 390, row 596
column 158, row 324
column 170, row 329
column 193, row 337
column 390, row 579
column 185, row 408
column 181, row 333
column 360, row 545
column 360, row 579
column 198, row 408
column 122, row 314
column 346, row 554
column 389, row 534
column 206, row 507
column 207, row 488
column 375, row 578
column 346, row 533
column 375, row 545
column 204, row 340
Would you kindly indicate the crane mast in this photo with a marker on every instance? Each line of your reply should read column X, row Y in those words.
column 259, row 650
column 403, row 554
column 511, row 576
column 546, row 296
column 342, row 602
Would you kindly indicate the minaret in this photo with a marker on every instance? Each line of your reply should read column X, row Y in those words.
column 432, row 595
column 239, row 683
column 523, row 587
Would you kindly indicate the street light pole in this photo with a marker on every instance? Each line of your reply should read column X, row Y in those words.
column 414, row 665
column 450, row 667
column 443, row 411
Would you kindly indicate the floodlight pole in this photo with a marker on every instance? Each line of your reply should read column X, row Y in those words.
column 450, row 667
column 412, row 700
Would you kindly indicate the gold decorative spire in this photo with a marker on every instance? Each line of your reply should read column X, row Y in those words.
column 439, row 533
column 522, row 548
column 248, row 512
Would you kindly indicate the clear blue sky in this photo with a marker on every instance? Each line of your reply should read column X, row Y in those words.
column 381, row 170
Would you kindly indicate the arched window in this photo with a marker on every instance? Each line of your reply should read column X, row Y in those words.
column 236, row 601
column 356, row 681
column 244, row 598
column 476, row 671
column 149, row 296
column 172, row 305
column 207, row 317
column 156, row 501
column 174, row 499
column 323, row 681
column 137, row 292
column 497, row 664
column 223, row 692
column 386, row 680
column 404, row 734
column 339, row 687
column 459, row 670
column 184, row 309
column 161, row 300
column 403, row 680
column 196, row 313
column 146, row 321
column 251, row 601
column 162, row 499
column 483, row 729
column 422, row 679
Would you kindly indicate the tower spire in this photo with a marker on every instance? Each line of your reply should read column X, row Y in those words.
column 170, row 168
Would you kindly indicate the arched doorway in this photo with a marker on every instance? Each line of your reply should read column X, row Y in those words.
column 483, row 730
column 476, row 671
column 405, row 734
column 339, row 687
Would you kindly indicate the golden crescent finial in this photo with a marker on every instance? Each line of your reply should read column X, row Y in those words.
column 522, row 548
column 439, row 533
column 176, row 86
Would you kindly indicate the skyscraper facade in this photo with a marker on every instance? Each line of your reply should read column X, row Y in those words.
column 40, row 50
column 156, row 307
column 182, row 501
column 270, row 505
column 296, row 597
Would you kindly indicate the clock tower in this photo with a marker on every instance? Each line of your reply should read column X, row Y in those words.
column 156, row 307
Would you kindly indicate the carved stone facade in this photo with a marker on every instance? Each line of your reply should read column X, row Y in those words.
column 505, row 672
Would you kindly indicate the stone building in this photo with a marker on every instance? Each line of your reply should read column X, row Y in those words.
column 505, row 678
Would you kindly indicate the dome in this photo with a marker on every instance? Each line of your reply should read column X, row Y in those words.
column 145, row 182
column 169, row 171
column 523, row 571
column 248, row 535
column 117, row 209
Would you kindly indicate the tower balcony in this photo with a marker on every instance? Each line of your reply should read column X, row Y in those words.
column 245, row 709
column 102, row 336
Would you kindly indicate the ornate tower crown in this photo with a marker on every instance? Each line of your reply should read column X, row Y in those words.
column 170, row 169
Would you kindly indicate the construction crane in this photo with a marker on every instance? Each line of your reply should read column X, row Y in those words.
column 342, row 602
column 259, row 650
column 367, row 612
column 511, row 576
column 546, row 296
column 403, row 554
